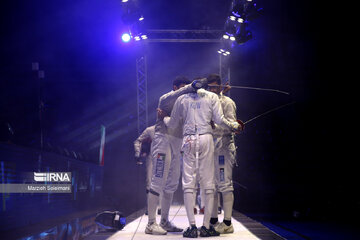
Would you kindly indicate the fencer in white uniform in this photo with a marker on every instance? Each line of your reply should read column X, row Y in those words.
column 195, row 111
column 166, row 160
column 224, row 158
column 145, row 139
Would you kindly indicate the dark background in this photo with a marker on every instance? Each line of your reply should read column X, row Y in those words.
column 289, row 160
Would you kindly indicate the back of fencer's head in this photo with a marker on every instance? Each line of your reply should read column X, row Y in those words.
column 214, row 78
column 181, row 80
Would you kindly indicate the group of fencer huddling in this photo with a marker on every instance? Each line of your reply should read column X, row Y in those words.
column 194, row 133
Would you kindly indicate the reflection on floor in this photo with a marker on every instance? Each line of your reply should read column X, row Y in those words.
column 245, row 228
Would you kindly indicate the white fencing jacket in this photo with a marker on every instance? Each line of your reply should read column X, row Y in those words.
column 195, row 111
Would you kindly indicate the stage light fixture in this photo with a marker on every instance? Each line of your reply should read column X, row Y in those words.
column 141, row 18
column 235, row 29
column 230, row 29
column 124, row 1
column 125, row 37
column 223, row 52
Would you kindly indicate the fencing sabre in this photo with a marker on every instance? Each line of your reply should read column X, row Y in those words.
column 251, row 88
column 269, row 111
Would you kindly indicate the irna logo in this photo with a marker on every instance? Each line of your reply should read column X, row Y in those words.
column 52, row 177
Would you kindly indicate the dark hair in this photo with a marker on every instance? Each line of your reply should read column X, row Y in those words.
column 181, row 80
column 214, row 78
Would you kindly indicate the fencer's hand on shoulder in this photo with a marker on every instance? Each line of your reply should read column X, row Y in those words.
column 199, row 83
column 161, row 113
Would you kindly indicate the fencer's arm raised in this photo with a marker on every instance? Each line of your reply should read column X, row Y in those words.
column 174, row 120
column 173, row 95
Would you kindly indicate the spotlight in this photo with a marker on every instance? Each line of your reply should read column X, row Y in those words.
column 141, row 18
column 124, row 1
column 137, row 38
column 223, row 52
column 144, row 36
column 232, row 18
column 125, row 37
column 230, row 29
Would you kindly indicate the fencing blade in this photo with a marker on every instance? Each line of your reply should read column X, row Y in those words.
column 251, row 88
column 269, row 111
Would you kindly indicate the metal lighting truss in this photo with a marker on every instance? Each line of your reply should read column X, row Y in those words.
column 141, row 79
column 174, row 36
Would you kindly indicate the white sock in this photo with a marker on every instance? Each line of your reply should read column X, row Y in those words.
column 209, row 204
column 152, row 202
column 165, row 206
column 160, row 198
column 189, row 205
column 228, row 202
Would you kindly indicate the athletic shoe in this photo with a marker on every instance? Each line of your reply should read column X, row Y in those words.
column 170, row 227
column 223, row 228
column 191, row 232
column 204, row 232
column 154, row 229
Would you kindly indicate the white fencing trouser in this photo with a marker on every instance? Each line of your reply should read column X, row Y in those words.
column 165, row 175
column 149, row 173
column 149, row 170
column 202, row 166
column 224, row 163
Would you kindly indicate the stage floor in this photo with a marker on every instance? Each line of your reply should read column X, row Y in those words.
column 136, row 229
